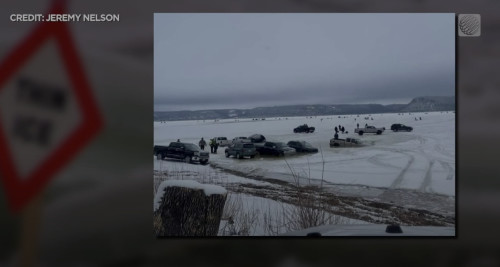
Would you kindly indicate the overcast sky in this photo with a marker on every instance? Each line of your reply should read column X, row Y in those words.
column 212, row 61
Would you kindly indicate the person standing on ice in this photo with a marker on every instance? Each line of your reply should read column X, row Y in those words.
column 212, row 144
column 202, row 144
column 358, row 125
column 216, row 145
column 336, row 130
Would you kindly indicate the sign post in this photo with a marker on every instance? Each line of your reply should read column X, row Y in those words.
column 47, row 112
column 47, row 115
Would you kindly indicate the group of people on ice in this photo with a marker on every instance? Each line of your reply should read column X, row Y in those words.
column 213, row 145
column 338, row 129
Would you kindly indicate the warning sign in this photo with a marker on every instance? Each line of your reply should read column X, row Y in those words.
column 47, row 112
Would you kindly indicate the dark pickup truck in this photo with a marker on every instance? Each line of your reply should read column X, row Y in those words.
column 304, row 129
column 184, row 151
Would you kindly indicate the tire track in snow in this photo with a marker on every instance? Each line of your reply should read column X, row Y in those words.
column 376, row 161
column 425, row 186
column 402, row 174
column 451, row 171
column 441, row 150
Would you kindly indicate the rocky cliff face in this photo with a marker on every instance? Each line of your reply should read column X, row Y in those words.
column 430, row 103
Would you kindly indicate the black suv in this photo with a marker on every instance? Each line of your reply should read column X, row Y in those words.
column 240, row 150
column 304, row 129
column 257, row 138
column 401, row 127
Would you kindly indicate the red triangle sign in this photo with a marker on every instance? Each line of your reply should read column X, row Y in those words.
column 47, row 111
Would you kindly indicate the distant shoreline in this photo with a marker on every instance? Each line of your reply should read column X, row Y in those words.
column 419, row 104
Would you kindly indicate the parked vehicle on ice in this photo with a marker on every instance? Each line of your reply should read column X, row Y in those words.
column 240, row 150
column 369, row 129
column 397, row 127
column 304, row 129
column 257, row 138
column 188, row 152
column 302, row 146
column 222, row 141
column 275, row 149
column 348, row 142
column 241, row 139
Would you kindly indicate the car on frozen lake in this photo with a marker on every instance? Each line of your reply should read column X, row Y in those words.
column 257, row 138
column 222, row 141
column 369, row 129
column 240, row 150
column 275, row 149
column 302, row 146
column 348, row 142
column 397, row 127
column 304, row 129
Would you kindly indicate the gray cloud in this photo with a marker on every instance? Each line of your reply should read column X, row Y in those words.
column 248, row 60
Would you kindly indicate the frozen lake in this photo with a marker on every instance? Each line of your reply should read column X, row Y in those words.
column 422, row 160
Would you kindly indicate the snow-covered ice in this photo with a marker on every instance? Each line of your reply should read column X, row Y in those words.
column 421, row 160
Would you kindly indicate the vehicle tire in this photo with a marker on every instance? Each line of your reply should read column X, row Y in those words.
column 238, row 156
column 360, row 132
column 187, row 159
column 379, row 132
column 295, row 131
column 336, row 144
column 252, row 156
column 395, row 130
column 227, row 154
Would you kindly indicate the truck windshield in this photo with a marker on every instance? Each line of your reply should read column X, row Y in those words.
column 192, row 147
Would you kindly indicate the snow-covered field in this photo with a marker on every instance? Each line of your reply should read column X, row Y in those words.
column 409, row 169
